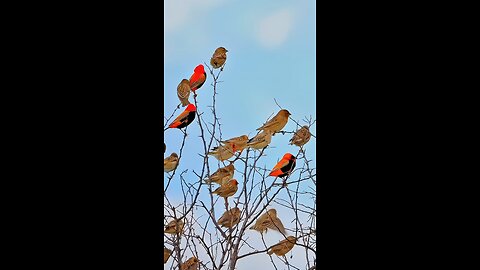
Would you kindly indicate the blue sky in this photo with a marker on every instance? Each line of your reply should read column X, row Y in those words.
column 271, row 54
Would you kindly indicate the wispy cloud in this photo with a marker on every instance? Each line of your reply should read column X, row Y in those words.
column 180, row 13
column 274, row 29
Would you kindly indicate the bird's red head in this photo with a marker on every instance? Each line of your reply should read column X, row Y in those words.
column 191, row 108
column 199, row 69
column 288, row 156
column 234, row 182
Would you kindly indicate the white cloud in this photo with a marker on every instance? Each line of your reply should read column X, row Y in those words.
column 179, row 13
column 273, row 30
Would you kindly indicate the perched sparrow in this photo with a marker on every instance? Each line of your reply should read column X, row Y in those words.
column 277, row 122
column 301, row 137
column 269, row 220
column 283, row 246
column 174, row 227
column 239, row 143
column 261, row 140
column 190, row 264
column 223, row 152
column 198, row 78
column 185, row 118
column 230, row 218
column 183, row 92
column 284, row 167
column 170, row 163
column 219, row 57
column 227, row 189
column 166, row 254
column 222, row 175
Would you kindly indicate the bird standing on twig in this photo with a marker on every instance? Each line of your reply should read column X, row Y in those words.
column 269, row 220
column 190, row 264
column 277, row 122
column 223, row 152
column 283, row 246
column 198, row 78
column 170, row 162
column 222, row 175
column 183, row 92
column 185, row 118
column 174, row 227
column 284, row 167
column 227, row 189
column 230, row 218
column 166, row 254
column 261, row 140
column 301, row 137
column 238, row 143
column 219, row 57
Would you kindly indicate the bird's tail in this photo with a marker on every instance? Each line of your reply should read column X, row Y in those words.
column 185, row 102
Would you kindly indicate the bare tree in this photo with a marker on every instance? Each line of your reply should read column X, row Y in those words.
column 220, row 247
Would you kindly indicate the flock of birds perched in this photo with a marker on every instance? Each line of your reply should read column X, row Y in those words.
column 227, row 149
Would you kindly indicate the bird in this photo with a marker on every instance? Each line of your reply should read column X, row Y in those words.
column 198, row 78
column 183, row 92
column 230, row 218
column 284, row 167
column 283, row 246
column 277, row 122
column 185, row 118
column 223, row 152
column 222, row 175
column 190, row 264
column 166, row 254
column 174, row 227
column 238, row 143
column 227, row 189
column 301, row 137
column 170, row 163
column 261, row 140
column 269, row 220
column 219, row 57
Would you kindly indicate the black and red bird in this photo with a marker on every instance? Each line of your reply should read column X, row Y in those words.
column 185, row 118
column 284, row 167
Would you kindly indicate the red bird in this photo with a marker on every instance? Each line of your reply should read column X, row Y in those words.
column 284, row 167
column 198, row 78
column 185, row 118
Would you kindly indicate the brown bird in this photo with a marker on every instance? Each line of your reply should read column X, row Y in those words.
column 261, row 140
column 238, row 143
column 283, row 246
column 190, row 264
column 269, row 220
column 183, row 92
column 277, row 122
column 227, row 189
column 223, row 152
column 170, row 162
column 284, row 167
column 230, row 218
column 166, row 254
column 301, row 137
column 222, row 175
column 219, row 57
column 174, row 227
